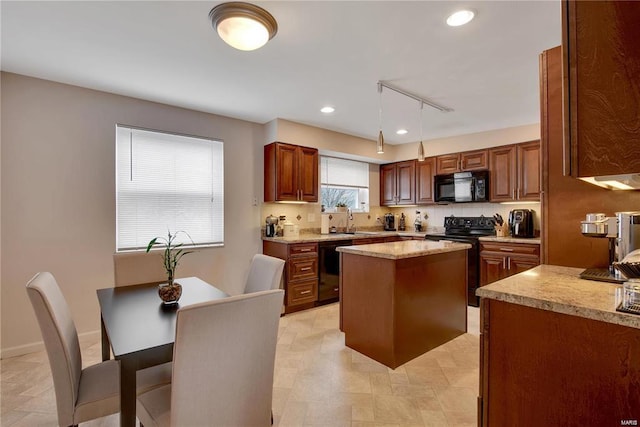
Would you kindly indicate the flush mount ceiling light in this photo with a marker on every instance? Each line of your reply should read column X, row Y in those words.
column 460, row 17
column 243, row 26
column 402, row 131
column 327, row 110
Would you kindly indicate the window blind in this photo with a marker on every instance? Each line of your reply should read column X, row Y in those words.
column 343, row 172
column 168, row 182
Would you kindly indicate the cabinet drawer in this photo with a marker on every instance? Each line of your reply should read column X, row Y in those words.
column 303, row 268
column 302, row 293
column 368, row 240
column 303, row 249
column 511, row 248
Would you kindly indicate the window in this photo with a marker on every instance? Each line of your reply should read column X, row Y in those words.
column 168, row 182
column 346, row 182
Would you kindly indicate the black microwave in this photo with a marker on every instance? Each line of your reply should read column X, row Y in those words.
column 462, row 187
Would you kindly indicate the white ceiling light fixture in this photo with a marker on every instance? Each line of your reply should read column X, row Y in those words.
column 327, row 110
column 243, row 26
column 460, row 17
column 402, row 131
column 380, row 145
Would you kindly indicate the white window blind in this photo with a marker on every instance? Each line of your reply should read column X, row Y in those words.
column 343, row 172
column 168, row 182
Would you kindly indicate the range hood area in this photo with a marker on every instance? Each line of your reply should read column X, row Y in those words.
column 616, row 182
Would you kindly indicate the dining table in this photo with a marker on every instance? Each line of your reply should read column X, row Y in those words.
column 139, row 329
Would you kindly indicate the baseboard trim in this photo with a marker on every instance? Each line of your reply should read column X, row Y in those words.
column 20, row 350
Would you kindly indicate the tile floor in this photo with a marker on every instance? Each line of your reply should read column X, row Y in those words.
column 318, row 381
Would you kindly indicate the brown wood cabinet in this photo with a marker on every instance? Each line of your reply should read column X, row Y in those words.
column 464, row 161
column 515, row 172
column 425, row 171
column 499, row 260
column 398, row 183
column 602, row 89
column 300, row 272
column 290, row 173
column 541, row 368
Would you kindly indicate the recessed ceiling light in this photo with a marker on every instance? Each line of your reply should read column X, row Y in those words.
column 460, row 17
column 327, row 110
column 402, row 131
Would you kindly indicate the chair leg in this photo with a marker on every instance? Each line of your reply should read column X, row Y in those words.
column 271, row 418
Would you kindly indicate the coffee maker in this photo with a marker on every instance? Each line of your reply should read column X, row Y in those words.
column 389, row 222
column 521, row 223
column 270, row 229
column 623, row 232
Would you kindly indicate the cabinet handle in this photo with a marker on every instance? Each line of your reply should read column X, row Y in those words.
column 506, row 249
column 336, row 289
column 513, row 192
column 305, row 292
column 518, row 193
column 305, row 268
column 305, row 250
column 509, row 263
column 504, row 263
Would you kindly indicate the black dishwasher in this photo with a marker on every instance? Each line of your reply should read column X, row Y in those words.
column 329, row 270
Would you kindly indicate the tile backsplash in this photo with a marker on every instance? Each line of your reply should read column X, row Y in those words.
column 308, row 216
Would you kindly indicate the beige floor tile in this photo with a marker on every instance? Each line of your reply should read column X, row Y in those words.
column 434, row 419
column 395, row 409
column 457, row 399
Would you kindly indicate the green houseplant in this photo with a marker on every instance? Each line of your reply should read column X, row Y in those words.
column 171, row 291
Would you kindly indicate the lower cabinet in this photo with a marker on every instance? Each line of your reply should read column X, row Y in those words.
column 300, row 274
column 499, row 260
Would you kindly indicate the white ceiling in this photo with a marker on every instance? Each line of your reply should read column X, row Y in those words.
column 325, row 53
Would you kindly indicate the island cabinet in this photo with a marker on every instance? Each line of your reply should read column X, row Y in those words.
column 460, row 162
column 554, row 352
column 602, row 90
column 300, row 277
column 398, row 183
column 290, row 173
column 499, row 260
column 515, row 172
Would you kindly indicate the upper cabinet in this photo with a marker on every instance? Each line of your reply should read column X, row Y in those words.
column 397, row 183
column 290, row 173
column 425, row 171
column 602, row 91
column 515, row 172
column 459, row 162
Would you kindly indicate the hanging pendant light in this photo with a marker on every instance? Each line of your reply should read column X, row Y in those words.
column 380, row 146
column 420, row 146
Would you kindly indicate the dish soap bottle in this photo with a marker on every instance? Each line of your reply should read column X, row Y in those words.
column 401, row 223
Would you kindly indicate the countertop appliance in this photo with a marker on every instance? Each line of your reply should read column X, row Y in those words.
column 521, row 223
column 468, row 230
column 389, row 222
column 271, row 227
column 623, row 232
column 462, row 187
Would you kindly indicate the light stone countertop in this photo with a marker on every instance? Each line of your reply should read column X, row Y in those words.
column 532, row 240
column 404, row 249
column 560, row 289
column 311, row 238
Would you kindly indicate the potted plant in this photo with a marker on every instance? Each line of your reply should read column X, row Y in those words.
column 171, row 291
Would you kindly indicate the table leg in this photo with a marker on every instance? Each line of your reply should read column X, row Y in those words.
column 106, row 354
column 128, row 368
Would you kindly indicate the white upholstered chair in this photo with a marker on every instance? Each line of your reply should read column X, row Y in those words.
column 223, row 358
column 81, row 394
column 265, row 273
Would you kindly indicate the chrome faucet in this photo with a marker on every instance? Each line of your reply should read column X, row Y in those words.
column 351, row 229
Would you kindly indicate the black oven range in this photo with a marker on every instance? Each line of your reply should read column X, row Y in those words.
column 468, row 230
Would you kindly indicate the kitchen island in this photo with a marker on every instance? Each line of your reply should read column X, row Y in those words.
column 554, row 351
column 401, row 299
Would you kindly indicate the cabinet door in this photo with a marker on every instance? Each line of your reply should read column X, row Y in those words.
column 529, row 182
column 406, row 182
column 519, row 264
column 502, row 166
column 492, row 267
column 602, row 65
column 388, row 184
column 448, row 163
column 424, row 180
column 308, row 174
column 286, row 172
column 474, row 160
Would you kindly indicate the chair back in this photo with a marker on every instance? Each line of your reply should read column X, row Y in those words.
column 265, row 273
column 223, row 361
column 60, row 340
column 134, row 268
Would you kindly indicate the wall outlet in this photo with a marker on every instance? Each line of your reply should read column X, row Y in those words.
column 255, row 201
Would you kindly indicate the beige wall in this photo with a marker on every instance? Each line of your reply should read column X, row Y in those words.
column 58, row 196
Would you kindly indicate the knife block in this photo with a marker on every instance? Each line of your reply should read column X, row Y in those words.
column 502, row 230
